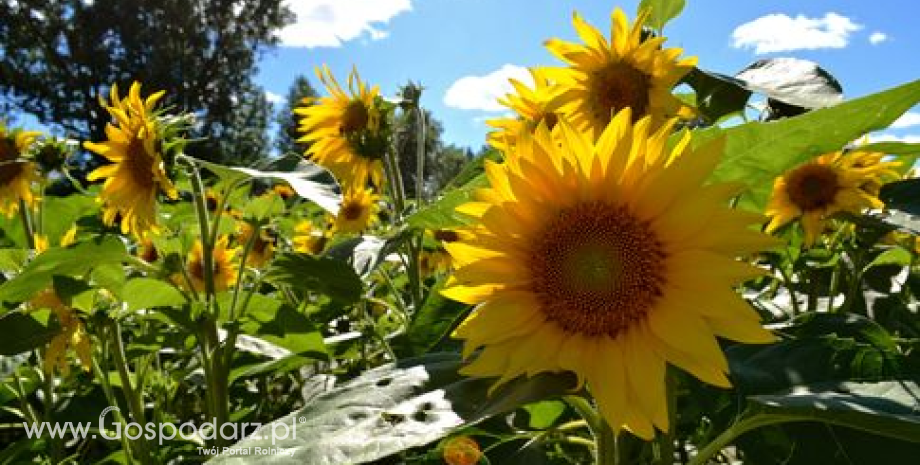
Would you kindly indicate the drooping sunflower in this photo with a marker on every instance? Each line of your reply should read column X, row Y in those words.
column 344, row 130
column 224, row 266
column 16, row 173
column 532, row 107
column 263, row 245
column 73, row 335
column 629, row 71
column 308, row 239
column 137, row 172
column 833, row 183
column 357, row 212
column 608, row 260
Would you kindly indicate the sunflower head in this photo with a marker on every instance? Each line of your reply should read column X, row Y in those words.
column 308, row 239
column 609, row 259
column 73, row 335
column 347, row 131
column 630, row 71
column 17, row 174
column 541, row 104
column 263, row 244
column 137, row 173
column 225, row 267
column 357, row 212
column 832, row 183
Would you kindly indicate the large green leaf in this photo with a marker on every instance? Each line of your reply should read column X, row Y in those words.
column 888, row 408
column 442, row 213
column 302, row 180
column 26, row 331
column 432, row 323
column 278, row 324
column 143, row 293
column 757, row 152
column 326, row 275
column 393, row 408
column 661, row 11
column 72, row 261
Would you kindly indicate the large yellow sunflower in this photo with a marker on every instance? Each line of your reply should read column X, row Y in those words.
column 626, row 72
column 225, row 268
column 532, row 106
column 137, row 173
column 833, row 183
column 608, row 260
column 16, row 174
column 357, row 212
column 263, row 246
column 344, row 130
column 308, row 239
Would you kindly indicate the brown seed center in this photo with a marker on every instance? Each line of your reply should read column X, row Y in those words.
column 354, row 118
column 596, row 269
column 351, row 211
column 812, row 186
column 140, row 164
column 619, row 85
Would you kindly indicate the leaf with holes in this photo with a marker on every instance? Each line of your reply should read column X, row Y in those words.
column 390, row 409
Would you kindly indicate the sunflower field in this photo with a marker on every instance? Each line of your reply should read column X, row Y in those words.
column 655, row 264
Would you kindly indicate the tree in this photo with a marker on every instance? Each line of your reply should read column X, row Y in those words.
column 57, row 56
column 286, row 140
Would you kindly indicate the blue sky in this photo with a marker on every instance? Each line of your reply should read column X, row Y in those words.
column 463, row 50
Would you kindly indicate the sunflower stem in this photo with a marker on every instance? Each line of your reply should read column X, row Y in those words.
column 201, row 208
column 27, row 224
column 664, row 443
column 606, row 452
column 132, row 395
column 736, row 430
column 421, row 128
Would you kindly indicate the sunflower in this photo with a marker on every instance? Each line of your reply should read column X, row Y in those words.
column 16, row 174
column 358, row 210
column 344, row 130
column 532, row 106
column 833, row 183
column 73, row 335
column 225, row 270
column 630, row 71
column 263, row 246
column 433, row 261
column 308, row 239
column 608, row 260
column 137, row 173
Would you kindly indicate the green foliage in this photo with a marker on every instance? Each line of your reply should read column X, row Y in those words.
column 308, row 273
column 661, row 11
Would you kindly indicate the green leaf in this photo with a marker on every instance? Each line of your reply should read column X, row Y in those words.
column 326, row 275
column 393, row 408
column 144, row 293
column 887, row 408
column 544, row 414
column 756, row 153
column 661, row 11
column 281, row 325
column 301, row 180
column 793, row 81
column 25, row 331
column 893, row 256
column 891, row 148
column 72, row 261
column 902, row 195
column 717, row 95
column 437, row 317
column 442, row 213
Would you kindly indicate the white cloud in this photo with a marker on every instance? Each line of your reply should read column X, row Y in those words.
column 780, row 33
column 877, row 37
column 911, row 118
column 482, row 92
column 274, row 98
column 330, row 23
column 908, row 138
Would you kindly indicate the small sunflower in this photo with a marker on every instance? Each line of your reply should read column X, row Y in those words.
column 263, row 246
column 225, row 269
column 433, row 261
column 147, row 250
column 532, row 106
column 358, row 210
column 16, row 173
column 833, row 183
column 609, row 260
column 137, row 173
column 630, row 71
column 308, row 239
column 344, row 130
